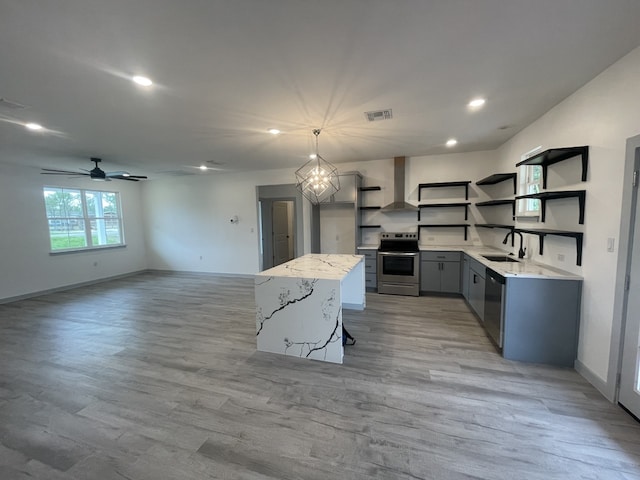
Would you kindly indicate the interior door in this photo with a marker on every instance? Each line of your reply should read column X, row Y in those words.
column 282, row 231
column 629, row 395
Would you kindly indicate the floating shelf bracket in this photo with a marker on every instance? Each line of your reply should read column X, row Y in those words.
column 541, row 233
column 450, row 225
column 500, row 177
column 464, row 184
column 556, row 155
column 544, row 196
column 446, row 205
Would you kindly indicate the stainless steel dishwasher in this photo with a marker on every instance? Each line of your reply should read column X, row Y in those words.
column 493, row 295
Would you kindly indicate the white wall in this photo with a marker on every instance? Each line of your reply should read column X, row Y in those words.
column 602, row 114
column 25, row 262
column 187, row 221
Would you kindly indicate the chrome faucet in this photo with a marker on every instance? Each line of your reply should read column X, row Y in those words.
column 522, row 251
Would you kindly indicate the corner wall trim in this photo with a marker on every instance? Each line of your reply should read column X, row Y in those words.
column 601, row 385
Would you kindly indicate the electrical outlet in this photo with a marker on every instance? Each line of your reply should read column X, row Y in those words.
column 95, row 264
column 200, row 257
column 561, row 257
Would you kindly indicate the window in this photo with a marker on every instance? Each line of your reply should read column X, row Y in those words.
column 82, row 219
column 530, row 182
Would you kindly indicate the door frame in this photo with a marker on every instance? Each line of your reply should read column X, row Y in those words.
column 622, row 270
column 267, row 194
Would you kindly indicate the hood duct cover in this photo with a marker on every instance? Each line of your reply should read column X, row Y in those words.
column 398, row 204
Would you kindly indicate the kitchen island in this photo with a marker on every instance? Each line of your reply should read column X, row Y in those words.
column 299, row 305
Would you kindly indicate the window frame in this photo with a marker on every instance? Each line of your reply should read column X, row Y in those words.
column 86, row 219
column 528, row 184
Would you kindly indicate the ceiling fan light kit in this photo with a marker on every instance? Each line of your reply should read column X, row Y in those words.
column 317, row 179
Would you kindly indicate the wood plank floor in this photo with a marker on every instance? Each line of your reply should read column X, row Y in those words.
column 156, row 376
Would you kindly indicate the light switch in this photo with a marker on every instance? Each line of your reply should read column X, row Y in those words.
column 611, row 244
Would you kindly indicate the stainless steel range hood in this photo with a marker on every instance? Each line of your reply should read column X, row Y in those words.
column 398, row 204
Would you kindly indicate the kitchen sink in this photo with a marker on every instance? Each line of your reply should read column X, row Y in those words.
column 500, row 258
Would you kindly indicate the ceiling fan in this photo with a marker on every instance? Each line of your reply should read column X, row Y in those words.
column 95, row 174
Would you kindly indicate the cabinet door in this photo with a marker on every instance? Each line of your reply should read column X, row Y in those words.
column 450, row 277
column 465, row 277
column 430, row 276
column 476, row 293
column 347, row 192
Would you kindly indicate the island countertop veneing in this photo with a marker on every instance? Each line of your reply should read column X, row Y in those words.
column 299, row 305
column 326, row 266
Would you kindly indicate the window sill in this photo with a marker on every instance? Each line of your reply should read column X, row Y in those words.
column 90, row 249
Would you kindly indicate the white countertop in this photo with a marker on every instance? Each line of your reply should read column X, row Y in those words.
column 316, row 265
column 523, row 268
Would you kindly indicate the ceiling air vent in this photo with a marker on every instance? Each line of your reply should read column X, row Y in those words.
column 9, row 105
column 376, row 115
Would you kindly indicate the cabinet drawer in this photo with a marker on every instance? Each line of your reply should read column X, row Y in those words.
column 370, row 266
column 370, row 280
column 368, row 254
column 440, row 256
column 477, row 266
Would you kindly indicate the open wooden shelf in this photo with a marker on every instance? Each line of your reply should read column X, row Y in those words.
column 464, row 184
column 493, row 203
column 446, row 205
column 495, row 225
column 500, row 177
column 447, row 225
column 371, row 208
column 370, row 189
column 370, row 226
column 541, row 233
column 555, row 155
column 544, row 196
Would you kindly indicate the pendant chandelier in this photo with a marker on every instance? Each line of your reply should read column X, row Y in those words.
column 317, row 179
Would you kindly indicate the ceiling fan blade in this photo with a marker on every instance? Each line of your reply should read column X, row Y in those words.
column 120, row 177
column 54, row 170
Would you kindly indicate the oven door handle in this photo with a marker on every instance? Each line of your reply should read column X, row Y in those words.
column 400, row 254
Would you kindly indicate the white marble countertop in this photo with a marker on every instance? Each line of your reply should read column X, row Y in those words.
column 316, row 265
column 522, row 268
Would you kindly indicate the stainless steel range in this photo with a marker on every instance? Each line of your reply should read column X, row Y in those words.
column 399, row 264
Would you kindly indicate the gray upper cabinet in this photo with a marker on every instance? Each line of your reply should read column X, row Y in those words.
column 349, row 185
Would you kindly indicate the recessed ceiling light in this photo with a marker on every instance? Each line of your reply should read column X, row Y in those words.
column 451, row 142
column 313, row 156
column 33, row 126
column 203, row 167
column 274, row 131
column 477, row 102
column 144, row 81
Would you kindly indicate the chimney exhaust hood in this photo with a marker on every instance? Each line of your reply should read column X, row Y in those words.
column 398, row 204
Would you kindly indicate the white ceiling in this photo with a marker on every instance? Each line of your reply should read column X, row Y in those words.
column 227, row 70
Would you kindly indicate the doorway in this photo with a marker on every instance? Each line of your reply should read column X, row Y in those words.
column 629, row 383
column 280, row 224
column 282, row 231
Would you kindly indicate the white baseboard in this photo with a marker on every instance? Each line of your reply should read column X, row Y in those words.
column 39, row 293
column 601, row 385
column 203, row 274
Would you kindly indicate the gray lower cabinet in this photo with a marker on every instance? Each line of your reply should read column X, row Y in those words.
column 476, row 286
column 465, row 276
column 541, row 319
column 370, row 267
column 440, row 272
